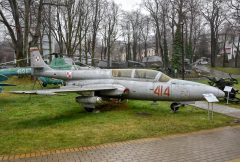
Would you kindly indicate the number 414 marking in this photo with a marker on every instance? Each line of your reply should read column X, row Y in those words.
column 162, row 92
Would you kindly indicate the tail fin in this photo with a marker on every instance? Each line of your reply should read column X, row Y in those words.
column 36, row 60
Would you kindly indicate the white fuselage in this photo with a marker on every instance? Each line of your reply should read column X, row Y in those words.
column 142, row 89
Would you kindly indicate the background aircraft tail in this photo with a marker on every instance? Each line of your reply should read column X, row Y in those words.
column 37, row 62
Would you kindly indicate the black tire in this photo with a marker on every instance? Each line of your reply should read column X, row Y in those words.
column 89, row 109
column 174, row 107
column 44, row 84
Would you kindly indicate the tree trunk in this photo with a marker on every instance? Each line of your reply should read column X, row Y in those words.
column 225, row 59
column 85, row 47
column 102, row 49
column 145, row 48
column 26, row 28
column 80, row 46
column 93, row 46
column 165, row 46
column 20, row 54
column 109, row 51
column 129, row 55
column 237, row 54
column 160, row 45
column 49, row 30
column 213, row 48
column 95, row 29
column 139, row 50
column 37, row 32
column 134, row 48
column 156, row 43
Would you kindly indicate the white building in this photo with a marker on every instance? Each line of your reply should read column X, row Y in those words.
column 230, row 48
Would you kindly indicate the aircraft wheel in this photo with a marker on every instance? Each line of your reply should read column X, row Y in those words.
column 174, row 107
column 44, row 84
column 89, row 109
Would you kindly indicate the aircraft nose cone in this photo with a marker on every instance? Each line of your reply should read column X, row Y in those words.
column 217, row 92
column 221, row 94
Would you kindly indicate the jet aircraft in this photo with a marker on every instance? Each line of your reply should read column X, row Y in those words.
column 4, row 73
column 100, row 84
column 57, row 63
column 15, row 71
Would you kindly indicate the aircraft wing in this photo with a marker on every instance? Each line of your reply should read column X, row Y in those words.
column 2, row 84
column 66, row 89
column 3, row 78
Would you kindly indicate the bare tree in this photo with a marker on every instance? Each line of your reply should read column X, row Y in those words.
column 193, row 21
column 126, row 34
column 214, row 13
column 235, row 6
column 84, row 25
column 135, row 25
column 164, row 11
column 19, row 28
column 159, row 11
column 153, row 7
column 49, row 19
column 98, row 11
column 111, row 29
column 145, row 28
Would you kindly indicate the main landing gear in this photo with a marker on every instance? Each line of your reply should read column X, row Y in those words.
column 89, row 109
column 175, row 106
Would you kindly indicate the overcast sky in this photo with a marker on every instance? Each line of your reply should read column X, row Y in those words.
column 128, row 5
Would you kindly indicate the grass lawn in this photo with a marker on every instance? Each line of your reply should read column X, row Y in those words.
column 235, row 71
column 46, row 123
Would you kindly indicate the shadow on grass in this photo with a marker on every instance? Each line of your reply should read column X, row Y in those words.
column 67, row 116
column 5, row 101
column 113, row 106
column 50, row 120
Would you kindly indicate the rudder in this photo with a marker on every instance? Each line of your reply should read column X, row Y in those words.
column 36, row 60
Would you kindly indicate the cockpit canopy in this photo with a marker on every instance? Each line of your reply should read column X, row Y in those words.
column 143, row 74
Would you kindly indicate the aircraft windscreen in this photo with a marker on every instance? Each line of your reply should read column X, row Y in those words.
column 124, row 73
column 145, row 74
column 164, row 78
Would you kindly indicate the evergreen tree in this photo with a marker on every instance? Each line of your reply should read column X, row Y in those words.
column 177, row 48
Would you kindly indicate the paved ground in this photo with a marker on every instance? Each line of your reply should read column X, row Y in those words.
column 213, row 145
column 222, row 109
column 215, row 73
